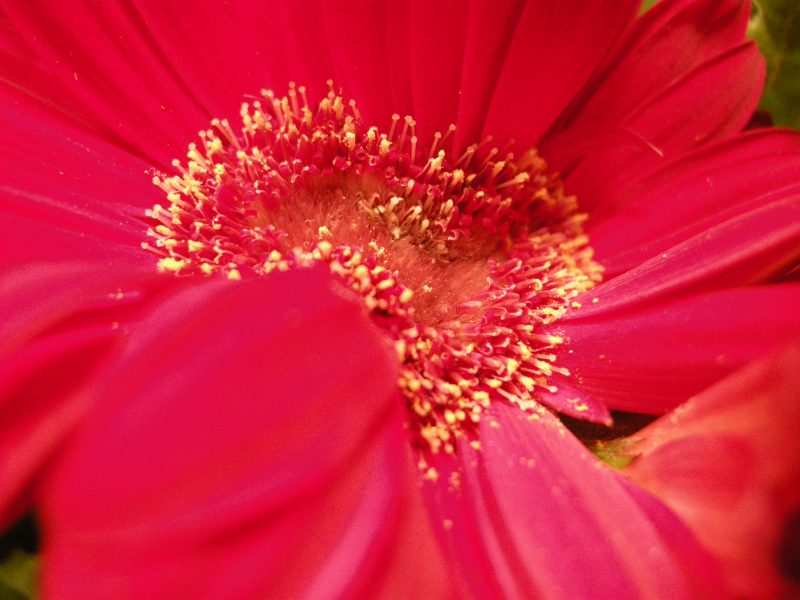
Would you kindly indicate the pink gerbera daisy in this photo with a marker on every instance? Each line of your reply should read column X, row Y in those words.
column 333, row 350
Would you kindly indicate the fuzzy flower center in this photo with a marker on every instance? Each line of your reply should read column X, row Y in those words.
column 461, row 258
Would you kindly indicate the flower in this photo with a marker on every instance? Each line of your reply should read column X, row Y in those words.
column 202, row 436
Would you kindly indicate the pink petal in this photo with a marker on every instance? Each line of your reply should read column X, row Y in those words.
column 651, row 358
column 748, row 248
column 301, row 41
column 40, row 408
column 437, row 44
column 398, row 55
column 412, row 564
column 490, row 31
column 249, row 443
column 574, row 402
column 53, row 234
column 61, row 321
column 45, row 154
column 687, row 197
column 728, row 463
column 671, row 120
column 95, row 64
column 666, row 42
column 225, row 51
column 68, row 178
column 44, row 220
column 353, row 32
column 709, row 103
column 554, row 49
column 533, row 514
column 38, row 298
column 661, row 47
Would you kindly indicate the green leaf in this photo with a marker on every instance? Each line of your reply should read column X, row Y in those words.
column 647, row 5
column 775, row 27
column 18, row 577
column 615, row 453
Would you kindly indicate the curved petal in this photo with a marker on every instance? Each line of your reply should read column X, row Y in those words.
column 532, row 514
column 751, row 247
column 437, row 40
column 223, row 51
column 672, row 39
column 69, row 177
column 652, row 358
column 555, row 48
column 412, row 564
column 490, row 31
column 47, row 216
column 45, row 153
column 112, row 77
column 728, row 463
column 40, row 412
column 46, row 238
column 699, row 191
column 726, row 87
column 44, row 297
column 670, row 119
column 259, row 429
column 60, row 323
column 574, row 402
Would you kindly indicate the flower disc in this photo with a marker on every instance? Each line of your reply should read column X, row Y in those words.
column 461, row 258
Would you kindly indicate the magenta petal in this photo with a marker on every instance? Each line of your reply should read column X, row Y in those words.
column 245, row 48
column 490, row 29
column 96, row 65
column 356, row 39
column 554, row 49
column 34, row 241
column 60, row 322
column 659, row 49
column 670, row 119
column 728, row 462
column 41, row 297
column 665, row 43
column 248, row 442
column 726, row 88
column 533, row 514
column 686, row 197
column 651, row 358
column 40, row 408
column 752, row 246
column 576, row 403
column 437, row 41
column 70, row 185
column 45, row 151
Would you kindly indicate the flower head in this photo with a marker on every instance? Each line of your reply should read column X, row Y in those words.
column 460, row 260
column 335, row 349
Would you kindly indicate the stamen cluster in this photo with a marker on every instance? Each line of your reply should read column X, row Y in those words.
column 461, row 258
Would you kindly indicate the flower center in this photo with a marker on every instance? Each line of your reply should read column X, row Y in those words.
column 461, row 259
